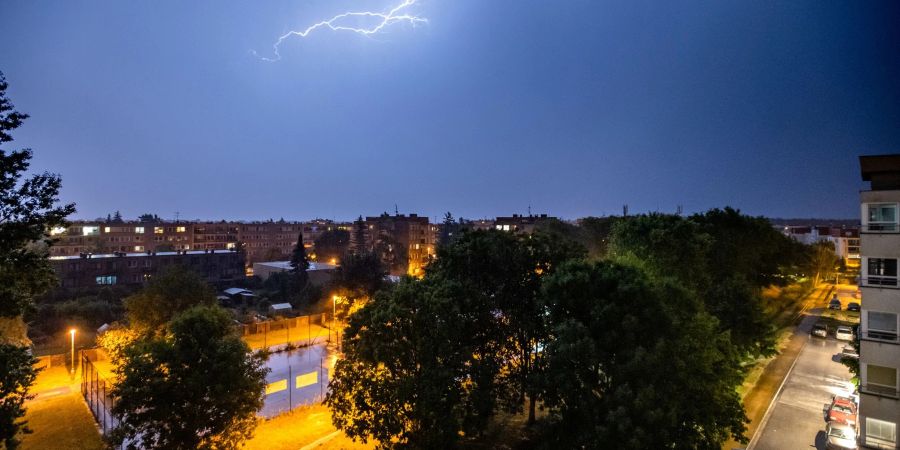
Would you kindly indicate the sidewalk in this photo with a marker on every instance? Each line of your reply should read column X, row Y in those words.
column 758, row 399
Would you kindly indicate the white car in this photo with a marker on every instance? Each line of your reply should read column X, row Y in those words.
column 840, row 436
column 843, row 333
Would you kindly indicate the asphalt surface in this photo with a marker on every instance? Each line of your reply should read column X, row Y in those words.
column 795, row 419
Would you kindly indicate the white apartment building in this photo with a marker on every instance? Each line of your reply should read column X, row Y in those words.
column 879, row 356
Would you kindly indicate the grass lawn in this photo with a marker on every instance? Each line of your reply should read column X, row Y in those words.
column 61, row 422
column 299, row 428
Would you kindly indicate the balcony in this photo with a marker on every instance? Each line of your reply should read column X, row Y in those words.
column 880, row 336
column 881, row 281
column 879, row 390
column 880, row 227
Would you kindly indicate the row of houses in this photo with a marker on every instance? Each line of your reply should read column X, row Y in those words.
column 845, row 240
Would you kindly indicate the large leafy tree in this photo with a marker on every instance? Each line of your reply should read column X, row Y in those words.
column 173, row 290
column 29, row 209
column 197, row 386
column 501, row 274
column 403, row 379
column 723, row 256
column 17, row 374
column 332, row 244
column 636, row 362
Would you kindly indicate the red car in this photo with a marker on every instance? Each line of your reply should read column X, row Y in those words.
column 841, row 410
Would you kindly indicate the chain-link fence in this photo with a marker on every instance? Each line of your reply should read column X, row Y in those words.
column 298, row 331
column 95, row 390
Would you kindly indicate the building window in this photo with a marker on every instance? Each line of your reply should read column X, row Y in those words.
column 180, row 229
column 882, row 217
column 138, row 248
column 139, row 230
column 880, row 432
column 880, row 380
column 881, row 272
column 158, row 230
column 90, row 231
column 106, row 279
column 881, row 325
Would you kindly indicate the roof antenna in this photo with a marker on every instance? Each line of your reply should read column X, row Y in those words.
column 396, row 211
column 529, row 210
column 176, row 216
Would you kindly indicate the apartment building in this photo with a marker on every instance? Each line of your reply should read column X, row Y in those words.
column 262, row 241
column 97, row 270
column 845, row 240
column 879, row 356
column 520, row 223
column 405, row 243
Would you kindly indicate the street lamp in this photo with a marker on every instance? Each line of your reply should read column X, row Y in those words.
column 72, row 334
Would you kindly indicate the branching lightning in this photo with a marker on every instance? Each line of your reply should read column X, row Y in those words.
column 398, row 14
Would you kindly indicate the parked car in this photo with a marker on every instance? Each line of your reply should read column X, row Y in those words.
column 835, row 303
column 840, row 436
column 853, row 306
column 841, row 410
column 819, row 330
column 849, row 352
column 843, row 333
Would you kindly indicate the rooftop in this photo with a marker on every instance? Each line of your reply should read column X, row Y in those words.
column 138, row 255
column 286, row 265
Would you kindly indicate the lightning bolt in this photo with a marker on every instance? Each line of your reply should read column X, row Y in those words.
column 398, row 14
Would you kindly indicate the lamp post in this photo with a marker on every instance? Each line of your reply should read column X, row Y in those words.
column 334, row 299
column 72, row 334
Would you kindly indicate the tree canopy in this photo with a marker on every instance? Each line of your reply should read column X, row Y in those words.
column 196, row 386
column 723, row 256
column 29, row 210
column 173, row 290
column 613, row 328
column 332, row 245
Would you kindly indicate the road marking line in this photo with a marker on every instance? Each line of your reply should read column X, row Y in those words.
column 320, row 441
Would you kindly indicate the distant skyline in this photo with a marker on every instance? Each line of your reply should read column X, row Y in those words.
column 572, row 108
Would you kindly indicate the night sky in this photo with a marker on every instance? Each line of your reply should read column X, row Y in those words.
column 572, row 107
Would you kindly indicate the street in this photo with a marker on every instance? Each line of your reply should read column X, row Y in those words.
column 795, row 419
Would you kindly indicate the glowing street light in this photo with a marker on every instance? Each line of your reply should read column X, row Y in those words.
column 72, row 334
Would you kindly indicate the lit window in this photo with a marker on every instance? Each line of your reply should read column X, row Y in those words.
column 57, row 230
column 881, row 272
column 139, row 230
column 180, row 229
column 106, row 229
column 90, row 231
column 138, row 248
column 158, row 230
column 500, row 227
column 229, row 245
column 108, row 279
column 505, row 227
column 882, row 217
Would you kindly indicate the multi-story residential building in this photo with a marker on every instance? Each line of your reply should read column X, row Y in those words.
column 520, row 223
column 879, row 356
column 405, row 243
column 845, row 240
column 262, row 241
column 95, row 270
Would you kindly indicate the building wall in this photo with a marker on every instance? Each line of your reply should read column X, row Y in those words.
column 880, row 294
column 263, row 241
column 136, row 268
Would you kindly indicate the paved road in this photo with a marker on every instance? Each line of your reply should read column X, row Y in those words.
column 795, row 420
